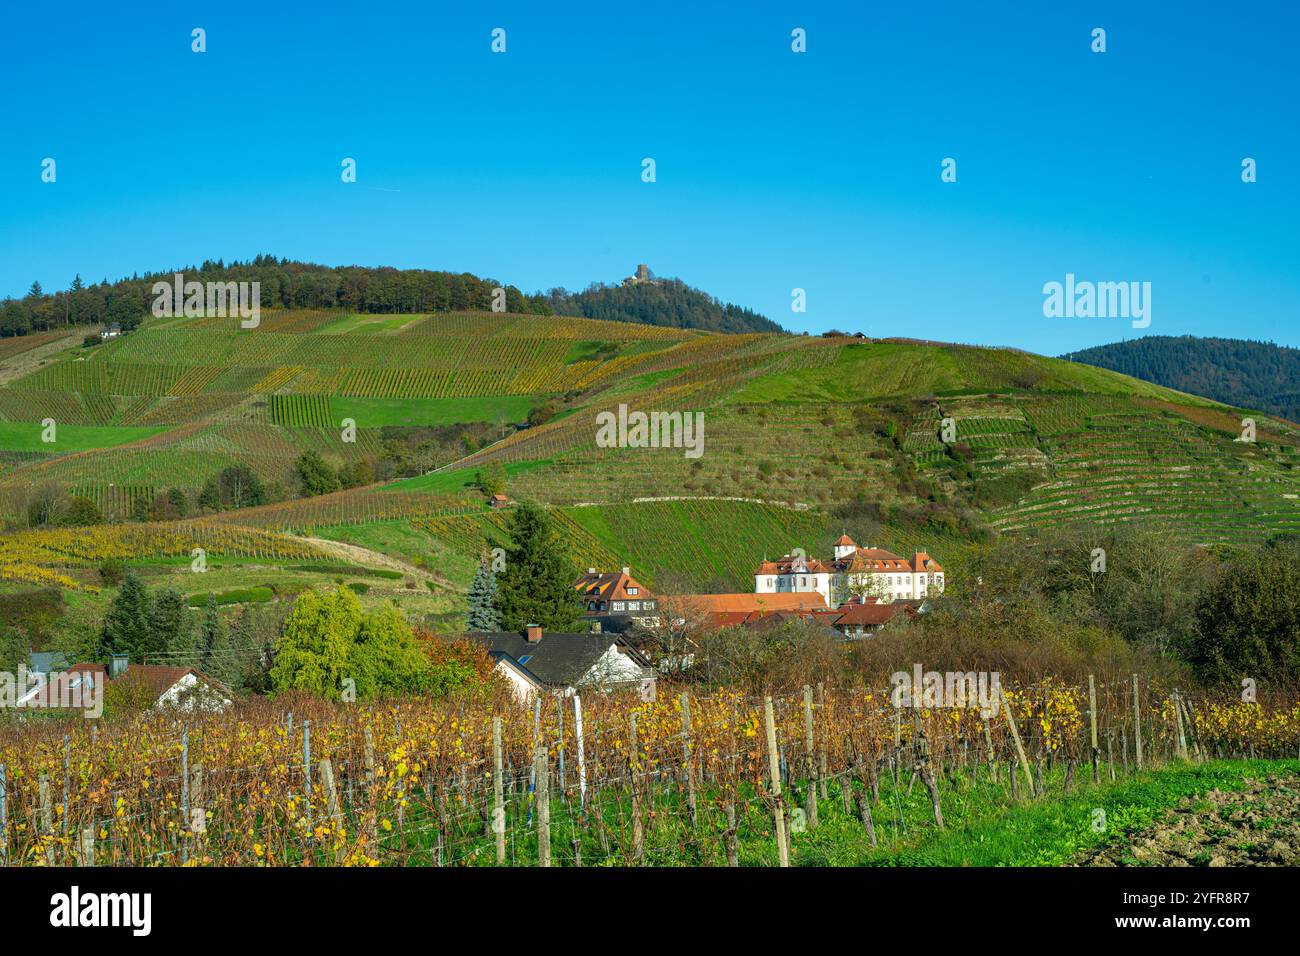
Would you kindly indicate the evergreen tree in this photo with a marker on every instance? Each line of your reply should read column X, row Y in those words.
column 483, row 614
column 221, row 660
column 171, row 630
column 126, row 626
column 211, row 633
column 537, row 586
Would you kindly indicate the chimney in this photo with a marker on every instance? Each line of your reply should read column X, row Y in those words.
column 627, row 571
column 533, row 633
column 117, row 665
column 591, row 570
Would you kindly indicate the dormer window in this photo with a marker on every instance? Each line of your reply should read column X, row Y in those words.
column 631, row 590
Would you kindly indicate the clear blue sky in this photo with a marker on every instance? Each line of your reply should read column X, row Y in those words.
column 775, row 170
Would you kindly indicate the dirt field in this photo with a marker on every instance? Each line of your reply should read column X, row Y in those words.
column 1258, row 826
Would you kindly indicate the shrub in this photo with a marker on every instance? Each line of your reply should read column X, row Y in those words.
column 112, row 571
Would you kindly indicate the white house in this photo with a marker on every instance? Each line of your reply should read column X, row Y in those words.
column 561, row 663
column 82, row 687
column 853, row 570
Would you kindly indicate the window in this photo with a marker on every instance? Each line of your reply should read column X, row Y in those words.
column 631, row 590
column 618, row 605
column 634, row 605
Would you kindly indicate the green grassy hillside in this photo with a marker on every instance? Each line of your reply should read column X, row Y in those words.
column 802, row 437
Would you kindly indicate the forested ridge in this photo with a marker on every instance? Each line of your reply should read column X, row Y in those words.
column 1240, row 372
column 291, row 284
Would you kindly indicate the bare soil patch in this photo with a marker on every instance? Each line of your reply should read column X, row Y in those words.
column 1257, row 826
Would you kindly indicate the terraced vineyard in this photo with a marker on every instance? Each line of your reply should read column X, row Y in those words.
column 793, row 428
column 1166, row 470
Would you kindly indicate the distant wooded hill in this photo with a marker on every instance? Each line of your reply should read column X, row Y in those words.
column 1248, row 374
column 668, row 302
column 288, row 284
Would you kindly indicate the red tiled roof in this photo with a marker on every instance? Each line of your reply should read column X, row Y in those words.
column 750, row 603
column 609, row 586
column 70, row 688
column 869, row 615
column 156, row 678
column 862, row 560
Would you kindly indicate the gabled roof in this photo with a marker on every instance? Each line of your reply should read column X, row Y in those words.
column 869, row 615
column 73, row 688
column 860, row 560
column 609, row 586
column 559, row 659
column 793, row 564
column 158, row 679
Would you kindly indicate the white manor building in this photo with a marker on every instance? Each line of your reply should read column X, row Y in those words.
column 853, row 572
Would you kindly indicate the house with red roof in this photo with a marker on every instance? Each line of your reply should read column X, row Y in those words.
column 83, row 685
column 615, row 601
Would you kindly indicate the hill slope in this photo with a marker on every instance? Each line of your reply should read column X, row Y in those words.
column 903, row 444
column 1255, row 375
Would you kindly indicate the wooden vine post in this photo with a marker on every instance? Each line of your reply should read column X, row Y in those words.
column 633, row 763
column 774, row 774
column 542, row 778
column 811, row 798
column 686, row 756
column 498, row 796
column 1137, row 724
column 1020, row 747
column 1092, row 723
column 1176, row 700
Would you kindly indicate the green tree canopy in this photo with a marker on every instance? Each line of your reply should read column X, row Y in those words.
column 1248, row 620
column 15, row 651
column 537, row 585
column 127, row 626
column 386, row 657
column 313, row 649
column 492, row 478
column 171, row 629
column 316, row 476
